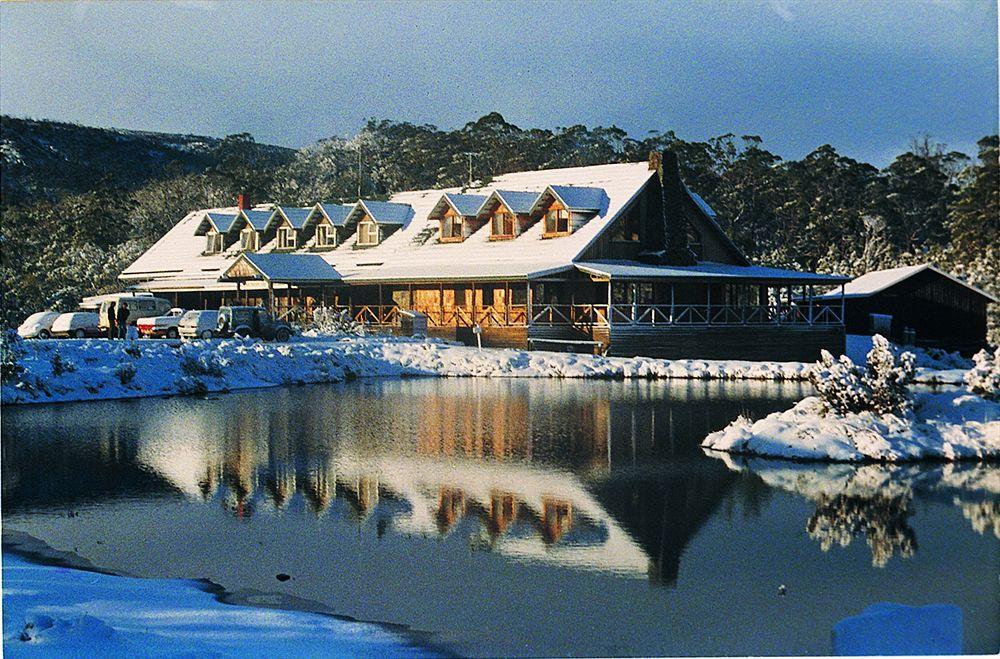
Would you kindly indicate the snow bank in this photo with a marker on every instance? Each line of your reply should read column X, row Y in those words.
column 62, row 611
column 933, row 366
column 952, row 425
column 65, row 370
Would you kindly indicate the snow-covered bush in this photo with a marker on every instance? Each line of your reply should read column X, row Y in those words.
column 881, row 387
column 60, row 364
column 983, row 378
column 331, row 321
column 11, row 352
column 196, row 362
column 125, row 370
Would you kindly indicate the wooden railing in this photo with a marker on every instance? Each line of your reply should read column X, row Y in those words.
column 724, row 314
column 570, row 314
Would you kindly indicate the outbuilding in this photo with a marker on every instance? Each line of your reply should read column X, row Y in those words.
column 917, row 304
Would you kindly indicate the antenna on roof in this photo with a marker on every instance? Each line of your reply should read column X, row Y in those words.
column 470, row 154
column 359, row 170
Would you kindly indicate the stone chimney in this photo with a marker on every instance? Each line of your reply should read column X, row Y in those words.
column 243, row 201
column 666, row 232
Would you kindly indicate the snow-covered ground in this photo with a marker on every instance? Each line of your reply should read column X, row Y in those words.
column 952, row 425
column 59, row 611
column 66, row 370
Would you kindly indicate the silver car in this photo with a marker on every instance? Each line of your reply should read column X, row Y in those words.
column 38, row 325
column 198, row 324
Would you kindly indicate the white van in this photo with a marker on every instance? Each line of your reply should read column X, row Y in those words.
column 199, row 324
column 78, row 325
column 139, row 306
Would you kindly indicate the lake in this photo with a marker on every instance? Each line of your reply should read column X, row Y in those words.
column 507, row 517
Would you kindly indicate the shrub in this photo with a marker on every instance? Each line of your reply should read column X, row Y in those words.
column 11, row 352
column 881, row 387
column 125, row 370
column 983, row 378
column 200, row 363
column 331, row 321
column 61, row 365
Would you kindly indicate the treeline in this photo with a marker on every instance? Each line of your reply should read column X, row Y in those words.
column 825, row 212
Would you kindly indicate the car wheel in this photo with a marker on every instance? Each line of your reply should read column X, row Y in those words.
column 282, row 335
column 207, row 334
column 172, row 333
column 80, row 334
column 44, row 334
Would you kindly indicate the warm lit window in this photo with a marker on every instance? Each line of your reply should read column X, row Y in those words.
column 325, row 236
column 248, row 240
column 451, row 227
column 557, row 221
column 368, row 233
column 503, row 224
column 213, row 243
column 286, row 238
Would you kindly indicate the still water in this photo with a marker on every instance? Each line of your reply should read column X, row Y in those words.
column 507, row 517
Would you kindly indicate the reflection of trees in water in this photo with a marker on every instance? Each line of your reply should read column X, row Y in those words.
column 883, row 520
column 984, row 516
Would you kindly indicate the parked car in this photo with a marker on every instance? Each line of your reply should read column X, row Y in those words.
column 78, row 325
column 161, row 326
column 139, row 306
column 252, row 322
column 198, row 324
column 38, row 325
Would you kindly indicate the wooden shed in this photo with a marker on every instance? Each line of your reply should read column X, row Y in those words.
column 917, row 304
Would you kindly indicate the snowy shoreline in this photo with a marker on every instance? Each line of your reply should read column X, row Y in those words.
column 81, row 370
column 943, row 426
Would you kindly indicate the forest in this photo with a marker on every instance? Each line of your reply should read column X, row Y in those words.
column 825, row 212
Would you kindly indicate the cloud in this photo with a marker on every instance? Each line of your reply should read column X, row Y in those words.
column 783, row 9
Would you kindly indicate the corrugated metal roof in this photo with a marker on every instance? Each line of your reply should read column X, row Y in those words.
column 258, row 219
column 385, row 212
column 336, row 213
column 703, row 271
column 222, row 222
column 290, row 267
column 580, row 198
column 516, row 201
column 295, row 216
column 466, row 204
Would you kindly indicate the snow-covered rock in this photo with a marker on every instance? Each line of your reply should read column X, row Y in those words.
column 951, row 425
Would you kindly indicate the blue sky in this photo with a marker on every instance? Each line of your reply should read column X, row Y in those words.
column 863, row 76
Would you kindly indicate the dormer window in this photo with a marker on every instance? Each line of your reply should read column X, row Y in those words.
column 248, row 240
column 326, row 236
column 367, row 232
column 286, row 238
column 557, row 222
column 213, row 242
column 452, row 227
column 502, row 226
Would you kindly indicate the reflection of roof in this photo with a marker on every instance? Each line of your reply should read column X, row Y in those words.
column 277, row 267
column 877, row 281
column 702, row 272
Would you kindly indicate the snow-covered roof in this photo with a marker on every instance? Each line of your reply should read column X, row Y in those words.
column 877, row 281
column 703, row 271
column 287, row 267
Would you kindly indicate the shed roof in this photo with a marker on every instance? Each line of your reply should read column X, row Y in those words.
column 286, row 268
column 877, row 281
column 704, row 271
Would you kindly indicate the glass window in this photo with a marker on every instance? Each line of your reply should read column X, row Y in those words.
column 503, row 223
column 557, row 221
column 325, row 236
column 451, row 227
column 213, row 243
column 286, row 238
column 367, row 233
column 248, row 240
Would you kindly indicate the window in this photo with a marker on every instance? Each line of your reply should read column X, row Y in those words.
column 488, row 296
column 325, row 236
column 367, row 233
column 451, row 227
column 557, row 221
column 286, row 238
column 503, row 224
column 213, row 243
column 518, row 295
column 248, row 240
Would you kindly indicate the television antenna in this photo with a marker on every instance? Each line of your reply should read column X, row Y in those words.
column 470, row 154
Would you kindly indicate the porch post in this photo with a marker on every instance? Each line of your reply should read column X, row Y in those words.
column 527, row 297
column 843, row 316
column 609, row 305
column 672, row 303
column 708, row 306
column 270, row 296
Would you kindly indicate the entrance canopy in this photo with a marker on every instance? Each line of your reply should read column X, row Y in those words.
column 281, row 268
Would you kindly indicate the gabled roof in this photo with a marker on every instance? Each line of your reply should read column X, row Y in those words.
column 335, row 213
column 286, row 268
column 258, row 219
column 576, row 198
column 221, row 222
column 710, row 216
column 877, row 281
column 466, row 205
column 296, row 216
column 520, row 203
column 383, row 212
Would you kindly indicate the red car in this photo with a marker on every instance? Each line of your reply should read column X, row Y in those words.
column 160, row 326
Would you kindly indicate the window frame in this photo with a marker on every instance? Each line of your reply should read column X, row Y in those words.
column 255, row 241
column 214, row 242
column 552, row 219
column 501, row 214
column 328, row 233
column 283, row 238
column 370, row 226
column 456, row 225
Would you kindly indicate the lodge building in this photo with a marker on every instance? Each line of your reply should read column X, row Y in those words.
column 621, row 258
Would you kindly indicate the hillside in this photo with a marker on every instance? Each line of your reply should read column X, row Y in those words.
column 49, row 159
